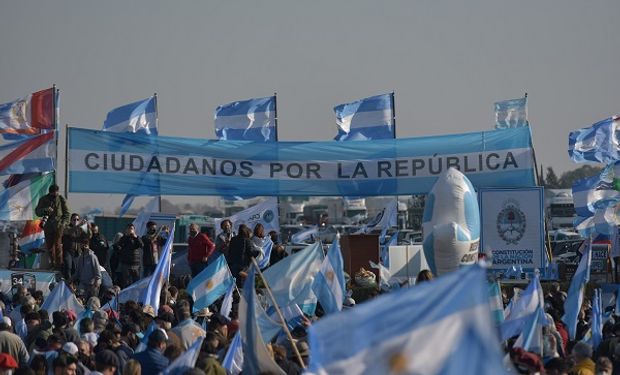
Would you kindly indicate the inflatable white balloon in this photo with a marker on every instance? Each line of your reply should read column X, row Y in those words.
column 451, row 223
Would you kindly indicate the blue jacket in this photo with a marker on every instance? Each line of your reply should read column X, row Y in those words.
column 152, row 361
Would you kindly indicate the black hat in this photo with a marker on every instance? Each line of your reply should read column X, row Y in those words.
column 106, row 358
column 166, row 317
column 219, row 319
column 157, row 337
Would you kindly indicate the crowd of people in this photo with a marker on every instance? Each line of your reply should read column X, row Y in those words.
column 129, row 338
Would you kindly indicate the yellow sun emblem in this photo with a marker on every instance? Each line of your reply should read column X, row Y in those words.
column 330, row 276
column 398, row 363
column 209, row 284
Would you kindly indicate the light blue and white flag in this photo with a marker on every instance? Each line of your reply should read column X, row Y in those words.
column 130, row 293
column 142, row 345
column 329, row 286
column 386, row 336
column 267, row 248
column 598, row 143
column 185, row 361
column 210, row 284
column 137, row 117
column 511, row 113
column 144, row 216
column 521, row 310
column 126, row 204
column 233, row 361
column 573, row 302
column 386, row 218
column 265, row 213
column 385, row 249
column 256, row 358
column 152, row 293
column 292, row 314
column 305, row 234
column 603, row 222
column 531, row 337
column 597, row 319
column 227, row 302
column 597, row 192
column 365, row 119
column 291, row 278
column 496, row 303
column 62, row 298
column 247, row 120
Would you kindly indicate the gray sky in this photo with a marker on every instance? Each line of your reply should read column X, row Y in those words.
column 447, row 62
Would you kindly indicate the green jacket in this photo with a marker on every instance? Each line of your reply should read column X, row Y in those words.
column 213, row 367
column 60, row 211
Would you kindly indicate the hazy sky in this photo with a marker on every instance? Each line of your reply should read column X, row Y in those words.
column 447, row 61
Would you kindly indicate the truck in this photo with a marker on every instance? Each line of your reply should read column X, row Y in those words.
column 354, row 210
column 559, row 208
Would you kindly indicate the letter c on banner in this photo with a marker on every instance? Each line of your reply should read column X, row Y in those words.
column 87, row 160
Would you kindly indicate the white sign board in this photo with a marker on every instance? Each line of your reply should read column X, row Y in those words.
column 512, row 230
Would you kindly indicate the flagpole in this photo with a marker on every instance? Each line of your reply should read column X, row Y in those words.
column 157, row 127
column 394, row 132
column 66, row 160
column 275, row 121
column 275, row 305
column 55, row 122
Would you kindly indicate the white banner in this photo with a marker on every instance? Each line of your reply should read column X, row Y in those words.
column 265, row 213
column 512, row 232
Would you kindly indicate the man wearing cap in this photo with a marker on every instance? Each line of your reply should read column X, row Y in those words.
column 152, row 361
column 187, row 329
column 7, row 363
column 11, row 343
column 106, row 363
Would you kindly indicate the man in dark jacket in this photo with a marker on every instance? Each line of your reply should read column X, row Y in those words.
column 152, row 361
column 130, row 246
column 153, row 244
column 99, row 244
column 54, row 206
column 74, row 236
column 240, row 253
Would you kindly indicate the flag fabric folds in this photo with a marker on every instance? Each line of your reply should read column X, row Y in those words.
column 511, row 113
column 305, row 234
column 531, row 337
column 597, row 319
column 227, row 302
column 62, row 298
column 385, row 219
column 329, row 286
column 256, row 358
column 573, row 302
column 34, row 154
column 233, row 361
column 496, row 303
column 520, row 310
column 365, row 119
column 388, row 336
column 151, row 294
column 126, row 204
column 247, row 120
column 144, row 215
column 267, row 248
column 33, row 237
column 597, row 192
column 210, row 284
column 185, row 361
column 598, row 143
column 265, row 213
column 19, row 201
column 291, row 278
column 29, row 115
column 136, row 117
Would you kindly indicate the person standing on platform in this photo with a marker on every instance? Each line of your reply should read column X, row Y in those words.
column 88, row 275
column 153, row 243
column 54, row 213
column 73, row 237
column 200, row 248
column 99, row 244
column 130, row 246
column 222, row 241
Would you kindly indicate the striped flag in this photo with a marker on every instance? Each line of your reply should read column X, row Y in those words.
column 185, row 361
column 329, row 285
column 62, row 298
column 573, row 302
column 136, row 117
column 32, row 237
column 597, row 143
column 511, row 113
column 365, row 119
column 30, row 155
column 233, row 361
column 151, row 294
column 531, row 337
column 247, row 120
column 210, row 284
column 496, row 303
column 18, row 202
column 29, row 115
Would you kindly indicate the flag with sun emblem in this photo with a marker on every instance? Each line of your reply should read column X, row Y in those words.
column 439, row 327
column 329, row 284
column 210, row 284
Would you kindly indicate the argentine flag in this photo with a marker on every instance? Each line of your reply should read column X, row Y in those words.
column 210, row 284
column 185, row 361
column 511, row 113
column 522, row 310
column 598, row 143
column 151, row 294
column 247, row 120
column 233, row 361
column 365, row 119
column 137, row 117
column 573, row 302
column 440, row 327
column 329, row 284
column 62, row 298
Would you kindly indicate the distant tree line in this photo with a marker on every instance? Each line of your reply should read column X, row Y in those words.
column 566, row 180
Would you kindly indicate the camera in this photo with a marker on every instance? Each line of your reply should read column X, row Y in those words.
column 43, row 220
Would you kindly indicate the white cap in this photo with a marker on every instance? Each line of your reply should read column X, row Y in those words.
column 70, row 348
column 6, row 320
